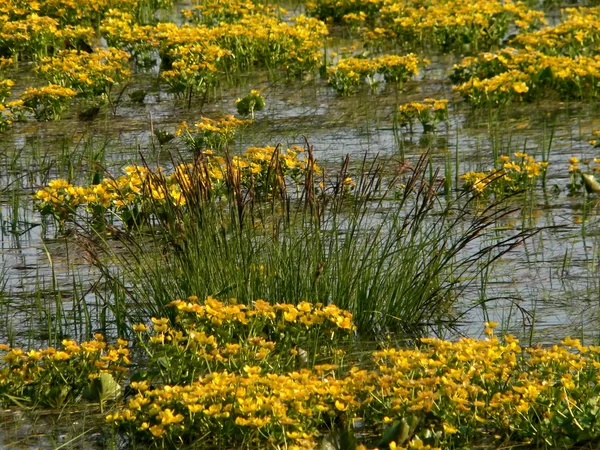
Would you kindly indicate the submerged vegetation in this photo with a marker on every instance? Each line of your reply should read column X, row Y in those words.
column 218, row 272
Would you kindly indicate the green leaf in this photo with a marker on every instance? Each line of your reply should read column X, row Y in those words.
column 102, row 389
column 336, row 440
column 55, row 397
column 392, row 432
column 163, row 362
column 590, row 183
column 545, row 74
column 347, row 441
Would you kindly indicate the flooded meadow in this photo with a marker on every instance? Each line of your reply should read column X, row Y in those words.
column 248, row 224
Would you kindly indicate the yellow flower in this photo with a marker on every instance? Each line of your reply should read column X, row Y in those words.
column 61, row 356
column 449, row 429
column 341, row 406
column 520, row 87
column 140, row 385
column 157, row 430
column 491, row 325
column 140, row 328
column 167, row 417
column 569, row 342
column 291, row 314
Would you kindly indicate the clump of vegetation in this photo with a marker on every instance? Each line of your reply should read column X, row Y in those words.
column 142, row 195
column 54, row 378
column 513, row 175
column 446, row 24
column 48, row 102
column 210, row 133
column 349, row 73
column 252, row 102
column 555, row 59
column 428, row 113
column 219, row 219
column 91, row 75
column 283, row 374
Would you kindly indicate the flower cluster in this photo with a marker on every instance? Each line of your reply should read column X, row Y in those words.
column 441, row 394
column 210, row 133
column 121, row 31
column 251, row 35
column 540, row 65
column 511, row 75
column 236, row 343
column 428, row 113
column 214, row 12
column 134, row 196
column 445, row 24
column 336, row 11
column 576, row 34
column 47, row 102
column 36, row 29
column 9, row 111
column 263, row 168
column 90, row 74
column 349, row 73
column 71, row 12
column 196, row 54
column 51, row 377
column 28, row 37
column 211, row 335
column 498, row 90
column 277, row 375
column 5, row 88
column 513, row 175
column 195, row 67
column 35, row 36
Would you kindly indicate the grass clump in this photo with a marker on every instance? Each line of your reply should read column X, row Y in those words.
column 385, row 247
